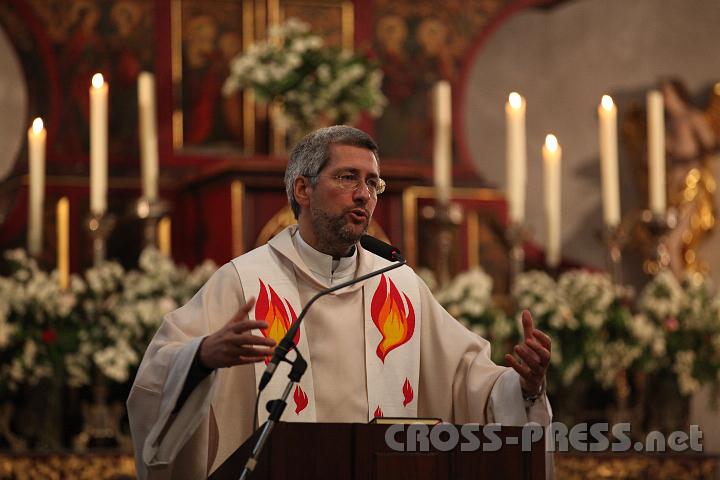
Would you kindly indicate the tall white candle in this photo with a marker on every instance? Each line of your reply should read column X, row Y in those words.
column 442, row 146
column 607, row 117
column 98, row 144
column 63, row 241
column 552, row 154
column 656, row 153
column 516, row 156
column 148, row 135
column 36, row 170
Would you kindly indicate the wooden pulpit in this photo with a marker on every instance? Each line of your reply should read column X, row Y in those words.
column 334, row 451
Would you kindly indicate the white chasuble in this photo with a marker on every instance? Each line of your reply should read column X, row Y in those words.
column 392, row 329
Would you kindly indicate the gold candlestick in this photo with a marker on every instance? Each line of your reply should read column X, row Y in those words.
column 614, row 239
column 515, row 235
column 151, row 212
column 658, row 227
column 99, row 226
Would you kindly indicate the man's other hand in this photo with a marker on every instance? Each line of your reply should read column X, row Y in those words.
column 534, row 353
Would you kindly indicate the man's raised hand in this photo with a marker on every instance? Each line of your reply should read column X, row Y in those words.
column 234, row 344
column 534, row 353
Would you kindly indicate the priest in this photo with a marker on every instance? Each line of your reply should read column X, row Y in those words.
column 382, row 347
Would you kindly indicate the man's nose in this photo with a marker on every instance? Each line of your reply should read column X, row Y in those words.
column 362, row 192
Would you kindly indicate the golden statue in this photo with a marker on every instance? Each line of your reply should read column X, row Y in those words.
column 692, row 139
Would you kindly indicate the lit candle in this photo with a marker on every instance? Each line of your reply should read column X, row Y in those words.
column 36, row 170
column 552, row 153
column 164, row 236
column 442, row 146
column 148, row 135
column 63, row 242
column 98, row 144
column 516, row 156
column 656, row 153
column 607, row 116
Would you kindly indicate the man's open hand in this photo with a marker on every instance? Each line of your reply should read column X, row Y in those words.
column 234, row 344
column 534, row 353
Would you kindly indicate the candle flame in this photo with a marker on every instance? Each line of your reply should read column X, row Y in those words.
column 551, row 143
column 37, row 125
column 515, row 100
column 717, row 88
column 607, row 102
column 98, row 80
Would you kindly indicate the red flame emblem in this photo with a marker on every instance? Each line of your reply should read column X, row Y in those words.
column 301, row 400
column 378, row 412
column 407, row 392
column 270, row 308
column 389, row 315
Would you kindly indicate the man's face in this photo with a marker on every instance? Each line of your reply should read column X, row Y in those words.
column 338, row 216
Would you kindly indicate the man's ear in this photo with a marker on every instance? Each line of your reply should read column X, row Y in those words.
column 302, row 189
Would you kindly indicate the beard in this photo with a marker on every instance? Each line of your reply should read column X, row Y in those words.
column 334, row 233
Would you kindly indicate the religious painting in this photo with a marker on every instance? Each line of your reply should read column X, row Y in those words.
column 418, row 44
column 331, row 19
column 207, row 34
column 87, row 37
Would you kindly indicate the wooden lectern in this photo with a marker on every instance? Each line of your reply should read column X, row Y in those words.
column 355, row 451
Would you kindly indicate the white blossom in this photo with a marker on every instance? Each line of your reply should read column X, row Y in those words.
column 683, row 368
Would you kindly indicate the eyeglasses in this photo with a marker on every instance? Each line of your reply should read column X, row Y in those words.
column 351, row 182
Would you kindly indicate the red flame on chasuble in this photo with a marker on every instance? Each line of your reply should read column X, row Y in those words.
column 407, row 392
column 270, row 308
column 301, row 400
column 378, row 412
column 390, row 317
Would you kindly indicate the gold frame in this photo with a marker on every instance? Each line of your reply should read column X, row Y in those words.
column 347, row 14
column 248, row 38
column 410, row 198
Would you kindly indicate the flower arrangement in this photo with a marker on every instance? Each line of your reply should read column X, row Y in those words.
column 102, row 323
column 686, row 315
column 468, row 298
column 37, row 324
column 588, row 320
column 122, row 310
column 608, row 344
column 313, row 83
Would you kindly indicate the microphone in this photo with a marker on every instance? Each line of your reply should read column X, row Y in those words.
column 369, row 243
column 381, row 249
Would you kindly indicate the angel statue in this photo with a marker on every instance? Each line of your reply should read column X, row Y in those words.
column 692, row 143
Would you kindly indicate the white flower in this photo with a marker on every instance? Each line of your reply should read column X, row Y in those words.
column 610, row 359
column 683, row 367
column 115, row 361
column 663, row 297
column 571, row 372
column 6, row 332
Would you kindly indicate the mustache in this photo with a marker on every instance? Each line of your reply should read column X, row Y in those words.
column 361, row 207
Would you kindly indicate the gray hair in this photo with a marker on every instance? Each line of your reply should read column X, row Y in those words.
column 312, row 153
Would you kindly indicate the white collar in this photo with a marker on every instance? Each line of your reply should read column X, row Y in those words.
column 326, row 269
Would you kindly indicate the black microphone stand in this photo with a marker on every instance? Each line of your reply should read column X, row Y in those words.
column 276, row 408
column 299, row 365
